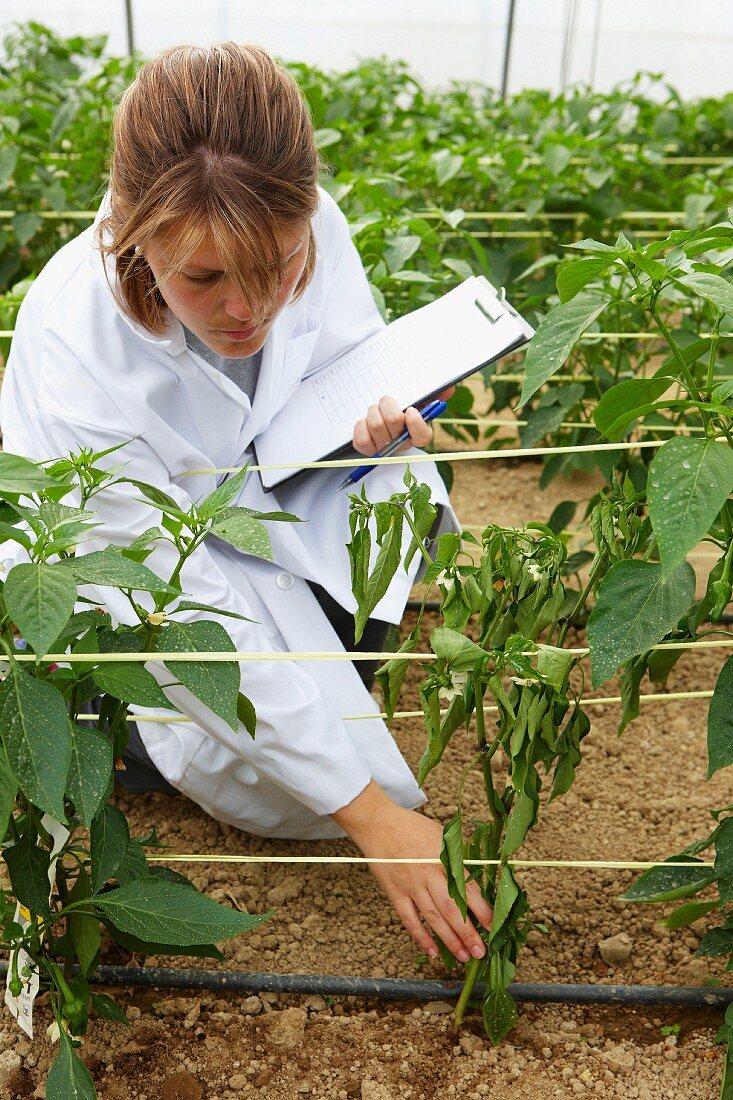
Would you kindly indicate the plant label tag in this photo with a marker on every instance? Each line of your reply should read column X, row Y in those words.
column 21, row 1007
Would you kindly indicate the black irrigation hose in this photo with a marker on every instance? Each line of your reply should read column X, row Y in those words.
column 401, row 989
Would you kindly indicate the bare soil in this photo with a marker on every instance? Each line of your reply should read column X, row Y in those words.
column 641, row 797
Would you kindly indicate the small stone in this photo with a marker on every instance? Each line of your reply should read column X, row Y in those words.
column 264, row 1077
column 238, row 1081
column 315, row 1003
column 470, row 1043
column 438, row 1008
column 287, row 890
column 251, row 1006
column 616, row 950
column 287, row 1027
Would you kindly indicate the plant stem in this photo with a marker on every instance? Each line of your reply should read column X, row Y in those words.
column 473, row 967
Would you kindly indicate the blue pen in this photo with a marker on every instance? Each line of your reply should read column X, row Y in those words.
column 435, row 408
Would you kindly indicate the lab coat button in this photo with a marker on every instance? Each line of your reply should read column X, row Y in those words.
column 285, row 581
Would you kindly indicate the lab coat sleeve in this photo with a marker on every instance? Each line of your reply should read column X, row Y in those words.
column 301, row 743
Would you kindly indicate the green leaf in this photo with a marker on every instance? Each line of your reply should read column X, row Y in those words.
column 148, row 947
column 132, row 684
column 161, row 500
column 19, row 475
column 574, row 277
column 8, row 161
column 554, row 665
column 90, row 771
column 712, row 288
column 40, row 600
column 28, row 865
column 26, row 225
column 109, row 839
column 37, row 733
column 458, row 651
column 8, row 792
column 689, row 481
column 133, row 864
column 240, row 529
column 385, row 567
column 720, row 721
column 451, row 856
column 391, row 675
column 500, row 1014
column 716, row 942
column 69, row 1078
column 246, row 714
column 107, row 1009
column 86, row 936
column 670, row 883
column 506, row 894
column 110, row 568
column 216, row 684
column 192, row 605
column 555, row 338
column 688, row 913
column 222, row 496
column 623, row 403
column 634, row 610
column 158, row 910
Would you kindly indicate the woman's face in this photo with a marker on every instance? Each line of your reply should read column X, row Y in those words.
column 212, row 307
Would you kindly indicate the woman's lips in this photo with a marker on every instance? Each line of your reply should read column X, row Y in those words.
column 240, row 333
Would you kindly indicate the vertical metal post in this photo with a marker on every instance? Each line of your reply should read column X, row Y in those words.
column 507, row 49
column 596, row 42
column 129, row 28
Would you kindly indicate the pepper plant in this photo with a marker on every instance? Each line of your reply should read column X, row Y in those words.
column 75, row 872
column 507, row 616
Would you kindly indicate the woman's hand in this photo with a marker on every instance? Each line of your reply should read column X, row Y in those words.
column 418, row 891
column 386, row 421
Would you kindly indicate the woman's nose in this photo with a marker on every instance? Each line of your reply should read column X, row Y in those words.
column 238, row 309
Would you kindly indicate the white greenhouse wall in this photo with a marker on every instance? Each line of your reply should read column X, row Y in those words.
column 691, row 43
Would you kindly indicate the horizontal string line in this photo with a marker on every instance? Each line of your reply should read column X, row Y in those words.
column 674, row 696
column 308, row 655
column 588, row 864
column 438, row 456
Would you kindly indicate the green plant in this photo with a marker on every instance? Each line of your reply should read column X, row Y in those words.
column 74, row 869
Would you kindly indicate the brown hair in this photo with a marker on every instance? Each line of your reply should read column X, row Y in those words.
column 210, row 145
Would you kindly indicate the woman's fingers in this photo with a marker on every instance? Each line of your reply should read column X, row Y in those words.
column 408, row 914
column 478, row 905
column 420, row 432
column 386, row 421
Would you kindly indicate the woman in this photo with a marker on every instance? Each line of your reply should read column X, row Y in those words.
column 217, row 275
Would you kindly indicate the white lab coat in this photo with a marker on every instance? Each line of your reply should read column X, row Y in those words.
column 81, row 373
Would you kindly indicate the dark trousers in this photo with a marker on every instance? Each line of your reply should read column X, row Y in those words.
column 141, row 773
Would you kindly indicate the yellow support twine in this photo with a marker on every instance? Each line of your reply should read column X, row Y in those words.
column 586, row 864
column 674, row 696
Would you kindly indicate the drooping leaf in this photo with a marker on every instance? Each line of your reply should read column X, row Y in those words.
column 720, row 721
column 556, row 336
column 500, row 1014
column 246, row 714
column 28, row 865
column 688, row 913
column 86, row 935
column 89, row 772
column 37, row 733
column 670, row 883
column 634, row 610
column 8, row 792
column 148, row 947
column 506, row 894
column 40, row 599
column 109, row 839
column 215, row 683
column 392, row 674
column 107, row 1009
column 69, row 1078
column 451, row 856
column 385, row 567
column 158, row 910
column 689, row 481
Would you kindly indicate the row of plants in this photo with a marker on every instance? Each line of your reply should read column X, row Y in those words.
column 78, row 880
column 515, row 604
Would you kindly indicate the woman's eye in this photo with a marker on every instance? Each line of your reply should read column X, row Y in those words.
column 201, row 278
